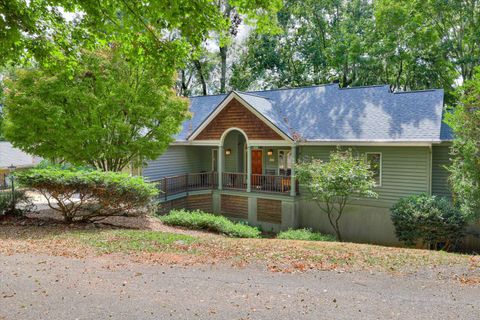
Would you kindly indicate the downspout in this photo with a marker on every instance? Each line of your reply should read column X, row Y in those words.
column 430, row 169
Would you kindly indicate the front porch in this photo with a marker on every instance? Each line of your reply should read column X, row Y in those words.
column 236, row 163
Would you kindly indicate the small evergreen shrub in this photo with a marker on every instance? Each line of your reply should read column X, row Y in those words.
column 431, row 219
column 22, row 203
column 304, row 234
column 200, row 220
column 80, row 194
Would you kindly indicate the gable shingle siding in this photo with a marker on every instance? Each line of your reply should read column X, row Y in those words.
column 236, row 115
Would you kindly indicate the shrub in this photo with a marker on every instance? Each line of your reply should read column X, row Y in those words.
column 200, row 220
column 304, row 234
column 431, row 219
column 89, row 194
column 22, row 203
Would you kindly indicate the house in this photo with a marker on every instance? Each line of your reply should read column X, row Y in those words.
column 10, row 156
column 236, row 156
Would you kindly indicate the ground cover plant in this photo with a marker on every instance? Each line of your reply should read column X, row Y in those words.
column 134, row 240
column 304, row 234
column 200, row 220
column 90, row 195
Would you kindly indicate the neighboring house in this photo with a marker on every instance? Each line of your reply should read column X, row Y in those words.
column 12, row 156
column 262, row 134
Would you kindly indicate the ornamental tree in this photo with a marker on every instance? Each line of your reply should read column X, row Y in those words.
column 109, row 112
column 332, row 184
column 465, row 167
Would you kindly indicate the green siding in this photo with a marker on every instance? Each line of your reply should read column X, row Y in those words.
column 177, row 160
column 440, row 158
column 405, row 170
column 234, row 162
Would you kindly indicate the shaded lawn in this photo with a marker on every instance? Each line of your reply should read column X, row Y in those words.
column 147, row 246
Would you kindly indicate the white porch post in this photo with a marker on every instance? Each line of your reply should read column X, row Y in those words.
column 220, row 167
column 293, row 184
column 249, row 168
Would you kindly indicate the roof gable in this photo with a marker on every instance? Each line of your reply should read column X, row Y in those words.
column 254, row 115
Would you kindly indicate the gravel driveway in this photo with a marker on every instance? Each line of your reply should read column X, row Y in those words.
column 44, row 287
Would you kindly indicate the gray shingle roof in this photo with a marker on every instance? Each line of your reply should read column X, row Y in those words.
column 13, row 156
column 329, row 113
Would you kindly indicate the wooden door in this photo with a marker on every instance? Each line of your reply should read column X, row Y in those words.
column 257, row 163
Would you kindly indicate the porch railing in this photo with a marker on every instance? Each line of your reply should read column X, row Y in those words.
column 271, row 183
column 234, row 181
column 170, row 186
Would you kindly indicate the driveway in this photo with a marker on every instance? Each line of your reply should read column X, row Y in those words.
column 45, row 287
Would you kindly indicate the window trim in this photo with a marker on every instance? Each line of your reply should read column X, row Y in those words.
column 380, row 183
column 286, row 151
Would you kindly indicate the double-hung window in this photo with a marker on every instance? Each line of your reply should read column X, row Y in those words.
column 374, row 159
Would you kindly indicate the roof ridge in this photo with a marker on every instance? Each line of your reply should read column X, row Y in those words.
column 363, row 87
column 293, row 88
column 251, row 94
column 417, row 91
column 208, row 95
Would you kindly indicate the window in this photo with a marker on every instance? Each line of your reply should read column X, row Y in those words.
column 374, row 159
column 284, row 162
column 214, row 160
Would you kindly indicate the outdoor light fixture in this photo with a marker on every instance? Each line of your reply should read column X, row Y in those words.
column 228, row 152
column 270, row 152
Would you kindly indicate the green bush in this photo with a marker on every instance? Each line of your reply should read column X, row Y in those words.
column 22, row 203
column 433, row 220
column 80, row 194
column 304, row 234
column 200, row 220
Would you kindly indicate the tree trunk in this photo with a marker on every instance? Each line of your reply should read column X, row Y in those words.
column 223, row 76
column 198, row 66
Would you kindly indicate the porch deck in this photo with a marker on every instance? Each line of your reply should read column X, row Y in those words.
column 181, row 184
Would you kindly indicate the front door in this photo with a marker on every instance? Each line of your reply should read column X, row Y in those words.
column 257, row 166
column 257, row 162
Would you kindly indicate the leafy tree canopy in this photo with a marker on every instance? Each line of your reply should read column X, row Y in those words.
column 167, row 30
column 109, row 112
column 465, row 167
column 408, row 44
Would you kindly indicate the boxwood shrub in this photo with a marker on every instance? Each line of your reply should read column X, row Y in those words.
column 80, row 194
column 200, row 220
column 431, row 219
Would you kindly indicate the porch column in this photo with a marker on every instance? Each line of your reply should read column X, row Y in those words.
column 293, row 184
column 220, row 167
column 249, row 168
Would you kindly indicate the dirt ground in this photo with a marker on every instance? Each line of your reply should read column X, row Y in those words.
column 122, row 270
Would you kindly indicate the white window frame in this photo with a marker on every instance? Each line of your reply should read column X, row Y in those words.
column 214, row 159
column 381, row 166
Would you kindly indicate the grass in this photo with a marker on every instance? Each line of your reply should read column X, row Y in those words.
column 134, row 240
column 199, row 220
column 305, row 235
